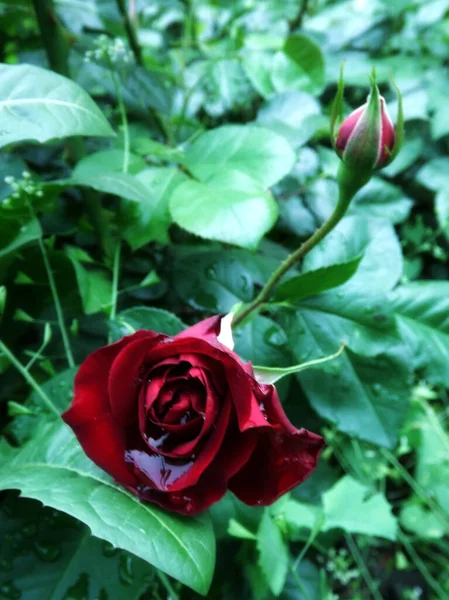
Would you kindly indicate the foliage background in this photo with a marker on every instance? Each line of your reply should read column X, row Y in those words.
column 225, row 106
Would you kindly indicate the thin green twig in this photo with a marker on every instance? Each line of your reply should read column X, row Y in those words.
column 124, row 118
column 419, row 491
column 167, row 585
column 420, row 564
column 58, row 307
column 25, row 374
column 372, row 586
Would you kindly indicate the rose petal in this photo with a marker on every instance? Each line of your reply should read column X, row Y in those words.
column 168, row 474
column 283, row 458
column 126, row 373
column 212, row 485
column 90, row 416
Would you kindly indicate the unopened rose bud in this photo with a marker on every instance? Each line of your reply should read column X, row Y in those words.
column 366, row 138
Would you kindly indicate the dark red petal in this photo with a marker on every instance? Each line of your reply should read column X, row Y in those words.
column 213, row 483
column 90, row 416
column 207, row 330
column 167, row 474
column 125, row 376
column 283, row 458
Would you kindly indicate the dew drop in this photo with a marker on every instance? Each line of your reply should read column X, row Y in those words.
column 5, row 565
column 211, row 272
column 47, row 552
column 109, row 549
column 274, row 337
column 9, row 591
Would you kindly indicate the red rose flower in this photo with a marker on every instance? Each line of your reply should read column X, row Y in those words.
column 179, row 420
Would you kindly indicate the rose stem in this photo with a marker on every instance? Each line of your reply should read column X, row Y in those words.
column 296, row 256
column 33, row 383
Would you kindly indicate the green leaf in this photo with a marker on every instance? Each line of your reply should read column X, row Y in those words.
column 421, row 521
column 212, row 280
column 107, row 161
column 40, row 105
column 378, row 198
column 17, row 235
column 434, row 174
column 442, row 209
column 262, row 341
column 351, row 506
column 382, row 263
column 273, row 553
column 422, row 310
column 48, row 555
column 300, row 66
column 257, row 66
column 94, row 285
column 311, row 583
column 314, row 282
column 230, row 207
column 236, row 529
column 293, row 114
column 52, row 468
column 364, row 396
column 150, row 220
column 145, row 317
column 260, row 153
column 60, row 391
column 92, row 173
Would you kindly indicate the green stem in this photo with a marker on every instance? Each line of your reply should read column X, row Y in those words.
column 33, row 383
column 420, row 564
column 326, row 227
column 130, row 32
column 299, row 583
column 124, row 118
column 167, row 585
column 115, row 279
column 59, row 313
column 372, row 586
column 419, row 491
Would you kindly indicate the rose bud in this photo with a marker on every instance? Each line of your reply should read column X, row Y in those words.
column 366, row 138
column 180, row 420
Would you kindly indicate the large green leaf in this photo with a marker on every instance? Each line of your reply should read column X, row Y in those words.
column 422, row 310
column 258, row 152
column 53, row 468
column 293, row 114
column 145, row 317
column 230, row 207
column 364, row 396
column 47, row 554
column 206, row 278
column 36, row 104
column 351, row 506
column 300, row 65
column 382, row 263
column 150, row 219
column 93, row 172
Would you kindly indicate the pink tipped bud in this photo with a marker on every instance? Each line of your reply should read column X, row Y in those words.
column 366, row 138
